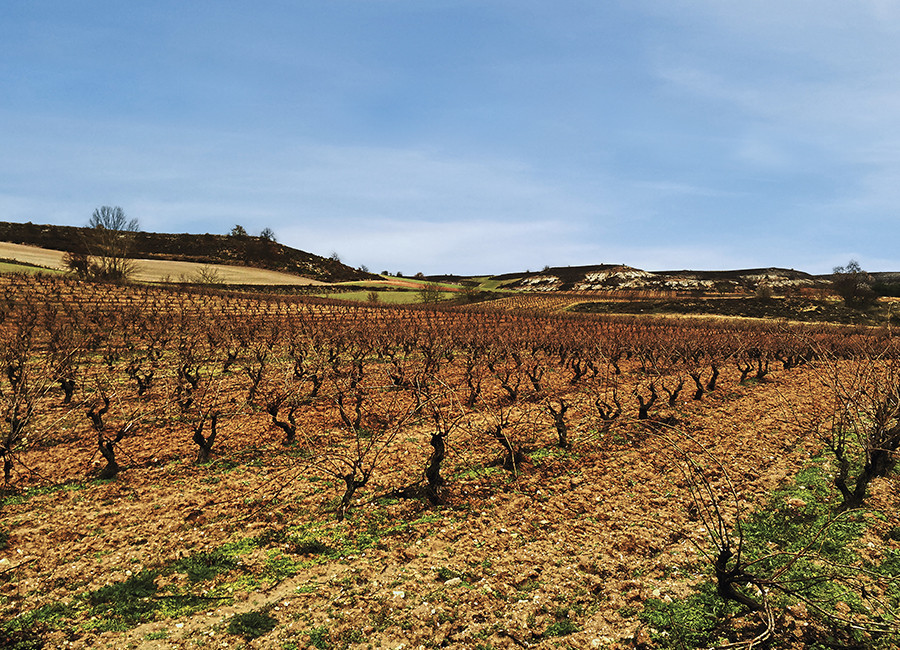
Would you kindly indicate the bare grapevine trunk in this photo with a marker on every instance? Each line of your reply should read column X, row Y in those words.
column 433, row 471
column 205, row 442
column 559, row 421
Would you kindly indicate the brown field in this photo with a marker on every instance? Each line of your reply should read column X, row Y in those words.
column 386, row 477
column 162, row 270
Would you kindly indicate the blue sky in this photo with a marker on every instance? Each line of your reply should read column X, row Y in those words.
column 467, row 136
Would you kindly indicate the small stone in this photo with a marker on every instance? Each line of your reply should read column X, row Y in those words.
column 452, row 582
column 795, row 503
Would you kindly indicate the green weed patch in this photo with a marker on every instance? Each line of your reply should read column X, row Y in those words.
column 252, row 625
column 205, row 565
column 697, row 621
column 123, row 605
column 808, row 554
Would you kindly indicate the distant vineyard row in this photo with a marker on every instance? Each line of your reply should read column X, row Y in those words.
column 185, row 356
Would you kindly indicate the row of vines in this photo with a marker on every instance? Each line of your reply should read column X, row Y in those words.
column 127, row 377
column 90, row 361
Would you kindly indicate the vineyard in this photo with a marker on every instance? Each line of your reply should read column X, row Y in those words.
column 206, row 469
column 559, row 301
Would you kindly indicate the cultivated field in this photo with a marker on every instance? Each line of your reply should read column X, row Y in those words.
column 189, row 469
column 163, row 270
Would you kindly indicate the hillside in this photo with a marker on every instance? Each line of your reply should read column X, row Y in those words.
column 605, row 277
column 237, row 252
column 249, row 251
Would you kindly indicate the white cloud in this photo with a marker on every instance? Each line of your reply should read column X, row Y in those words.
column 378, row 206
column 462, row 247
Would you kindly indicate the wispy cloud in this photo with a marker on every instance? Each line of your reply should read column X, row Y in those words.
column 472, row 247
column 469, row 137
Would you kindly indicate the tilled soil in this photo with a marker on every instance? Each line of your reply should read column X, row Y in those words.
column 561, row 552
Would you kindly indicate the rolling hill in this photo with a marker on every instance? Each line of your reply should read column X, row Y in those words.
column 619, row 277
column 197, row 250
column 606, row 277
column 259, row 261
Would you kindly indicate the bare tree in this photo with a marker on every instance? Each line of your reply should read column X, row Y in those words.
column 431, row 293
column 853, row 285
column 207, row 275
column 109, row 243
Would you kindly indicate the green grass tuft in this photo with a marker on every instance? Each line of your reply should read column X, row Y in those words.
column 205, row 565
column 561, row 628
column 252, row 625
column 319, row 637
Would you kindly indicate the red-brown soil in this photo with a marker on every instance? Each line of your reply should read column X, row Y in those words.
column 584, row 535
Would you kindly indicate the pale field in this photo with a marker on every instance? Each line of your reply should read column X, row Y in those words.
column 161, row 270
